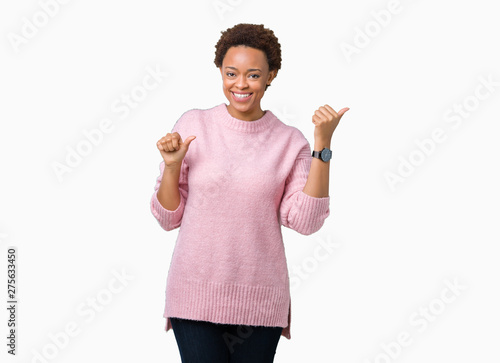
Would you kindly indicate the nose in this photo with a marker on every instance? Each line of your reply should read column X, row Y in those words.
column 241, row 82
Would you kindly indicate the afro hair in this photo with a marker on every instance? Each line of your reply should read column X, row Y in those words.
column 250, row 35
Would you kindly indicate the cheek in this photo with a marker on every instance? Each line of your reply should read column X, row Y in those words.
column 260, row 88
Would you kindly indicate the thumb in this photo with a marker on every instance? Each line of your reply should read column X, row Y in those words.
column 342, row 111
column 188, row 141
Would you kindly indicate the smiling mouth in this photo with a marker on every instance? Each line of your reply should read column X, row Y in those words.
column 241, row 96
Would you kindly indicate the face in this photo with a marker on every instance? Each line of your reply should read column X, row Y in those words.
column 245, row 71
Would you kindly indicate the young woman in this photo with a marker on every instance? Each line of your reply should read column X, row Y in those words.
column 230, row 177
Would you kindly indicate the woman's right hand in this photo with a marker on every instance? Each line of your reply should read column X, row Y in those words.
column 173, row 149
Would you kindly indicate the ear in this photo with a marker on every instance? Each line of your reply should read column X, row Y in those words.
column 272, row 75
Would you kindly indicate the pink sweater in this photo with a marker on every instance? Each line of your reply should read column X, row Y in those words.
column 239, row 182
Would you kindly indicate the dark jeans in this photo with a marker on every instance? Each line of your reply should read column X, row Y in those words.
column 203, row 341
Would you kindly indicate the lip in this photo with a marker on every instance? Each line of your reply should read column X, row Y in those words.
column 241, row 99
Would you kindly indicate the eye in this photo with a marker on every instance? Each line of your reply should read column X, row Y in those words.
column 229, row 73
column 256, row 75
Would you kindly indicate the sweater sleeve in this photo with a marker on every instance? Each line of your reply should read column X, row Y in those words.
column 169, row 219
column 298, row 210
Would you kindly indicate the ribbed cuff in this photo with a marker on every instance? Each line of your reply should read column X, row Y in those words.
column 313, row 212
column 168, row 219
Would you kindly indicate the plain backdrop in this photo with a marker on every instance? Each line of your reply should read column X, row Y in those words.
column 405, row 269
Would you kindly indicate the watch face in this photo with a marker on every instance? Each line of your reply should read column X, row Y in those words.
column 326, row 154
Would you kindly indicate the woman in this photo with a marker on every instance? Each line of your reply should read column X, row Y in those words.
column 247, row 173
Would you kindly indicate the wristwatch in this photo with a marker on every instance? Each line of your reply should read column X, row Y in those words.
column 325, row 154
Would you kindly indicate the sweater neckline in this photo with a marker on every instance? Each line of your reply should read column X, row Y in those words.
column 241, row 125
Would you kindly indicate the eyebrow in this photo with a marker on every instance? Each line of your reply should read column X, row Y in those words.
column 249, row 70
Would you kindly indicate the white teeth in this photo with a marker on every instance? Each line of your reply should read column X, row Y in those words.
column 241, row 96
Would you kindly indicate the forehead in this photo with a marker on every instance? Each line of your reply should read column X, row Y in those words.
column 245, row 56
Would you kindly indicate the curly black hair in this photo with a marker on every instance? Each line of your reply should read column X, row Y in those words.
column 250, row 35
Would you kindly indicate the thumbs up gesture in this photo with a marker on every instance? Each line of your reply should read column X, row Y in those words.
column 173, row 149
column 326, row 120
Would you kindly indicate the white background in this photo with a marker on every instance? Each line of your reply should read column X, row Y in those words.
column 394, row 246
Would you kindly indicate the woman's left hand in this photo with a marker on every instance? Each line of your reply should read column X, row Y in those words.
column 326, row 120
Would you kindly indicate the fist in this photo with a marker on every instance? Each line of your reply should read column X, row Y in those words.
column 173, row 149
column 326, row 120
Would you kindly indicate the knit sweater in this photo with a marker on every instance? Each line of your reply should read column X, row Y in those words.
column 239, row 182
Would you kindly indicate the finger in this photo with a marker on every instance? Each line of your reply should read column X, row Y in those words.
column 327, row 113
column 342, row 111
column 321, row 115
column 163, row 144
column 189, row 139
column 329, row 108
column 178, row 140
column 167, row 143
column 175, row 142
